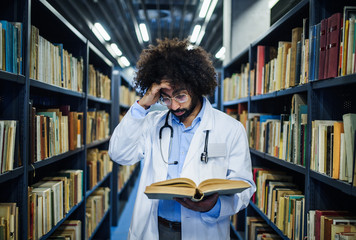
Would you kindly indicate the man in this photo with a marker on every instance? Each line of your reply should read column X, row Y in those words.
column 173, row 143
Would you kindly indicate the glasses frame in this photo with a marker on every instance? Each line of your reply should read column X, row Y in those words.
column 175, row 99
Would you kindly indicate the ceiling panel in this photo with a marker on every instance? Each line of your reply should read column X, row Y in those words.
column 163, row 18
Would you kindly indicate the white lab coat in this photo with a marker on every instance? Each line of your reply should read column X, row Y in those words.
column 137, row 139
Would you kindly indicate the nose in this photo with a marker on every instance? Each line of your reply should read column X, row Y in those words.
column 175, row 105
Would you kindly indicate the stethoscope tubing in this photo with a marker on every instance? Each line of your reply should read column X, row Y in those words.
column 204, row 154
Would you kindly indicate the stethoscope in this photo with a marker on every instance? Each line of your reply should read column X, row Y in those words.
column 204, row 154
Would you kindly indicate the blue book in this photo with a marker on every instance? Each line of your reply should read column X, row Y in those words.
column 18, row 26
column 14, row 48
column 264, row 118
column 317, row 51
column 312, row 53
column 6, row 27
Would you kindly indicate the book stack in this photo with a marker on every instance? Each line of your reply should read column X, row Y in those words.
column 9, row 221
column 236, row 86
column 69, row 229
column 50, row 199
column 257, row 228
column 280, row 200
column 333, row 147
column 9, row 146
column 99, row 84
column 54, row 131
column 11, row 44
column 98, row 165
column 282, row 136
column 127, row 96
column 51, row 64
column 98, row 125
column 333, row 45
column 97, row 205
column 331, row 225
column 283, row 66
column 124, row 175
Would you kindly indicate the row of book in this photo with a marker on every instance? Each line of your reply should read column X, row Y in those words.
column 284, row 66
column 99, row 84
column 98, row 165
column 11, row 46
column 9, row 221
column 331, row 225
column 98, row 125
column 97, row 204
column 279, row 198
column 283, row 136
column 50, row 199
column 68, row 230
column 51, row 63
column 124, row 175
column 332, row 45
column 127, row 96
column 257, row 228
column 332, row 147
column 236, row 86
column 54, row 131
column 9, row 145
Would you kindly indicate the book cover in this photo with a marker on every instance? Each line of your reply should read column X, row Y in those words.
column 323, row 46
column 349, row 120
column 334, row 26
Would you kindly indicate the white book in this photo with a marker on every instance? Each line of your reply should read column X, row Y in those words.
column 40, row 216
column 342, row 170
column 311, row 227
column 11, row 142
column 349, row 120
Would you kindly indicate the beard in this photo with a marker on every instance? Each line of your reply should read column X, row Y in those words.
column 187, row 111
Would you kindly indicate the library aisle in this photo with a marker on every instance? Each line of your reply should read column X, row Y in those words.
column 121, row 231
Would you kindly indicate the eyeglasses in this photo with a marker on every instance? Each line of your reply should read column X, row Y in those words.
column 180, row 98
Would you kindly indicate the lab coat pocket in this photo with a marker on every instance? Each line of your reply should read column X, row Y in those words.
column 217, row 164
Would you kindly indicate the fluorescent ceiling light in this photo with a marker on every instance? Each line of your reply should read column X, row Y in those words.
column 102, row 31
column 211, row 9
column 124, row 60
column 116, row 49
column 200, row 37
column 195, row 33
column 204, row 8
column 97, row 34
column 144, row 32
column 220, row 53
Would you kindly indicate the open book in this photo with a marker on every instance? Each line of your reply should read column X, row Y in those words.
column 185, row 187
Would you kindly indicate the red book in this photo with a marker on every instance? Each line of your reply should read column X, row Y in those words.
column 318, row 214
column 322, row 52
column 260, row 65
column 334, row 28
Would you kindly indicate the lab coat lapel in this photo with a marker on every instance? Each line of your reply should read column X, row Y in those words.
column 197, row 144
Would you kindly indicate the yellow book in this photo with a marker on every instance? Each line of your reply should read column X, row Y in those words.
column 185, row 187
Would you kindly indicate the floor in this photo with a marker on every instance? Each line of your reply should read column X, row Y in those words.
column 121, row 231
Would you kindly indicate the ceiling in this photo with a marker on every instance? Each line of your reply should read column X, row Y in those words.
column 163, row 18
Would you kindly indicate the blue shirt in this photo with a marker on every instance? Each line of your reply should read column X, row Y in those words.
column 182, row 136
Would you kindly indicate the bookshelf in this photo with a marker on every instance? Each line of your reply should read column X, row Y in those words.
column 327, row 99
column 22, row 91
